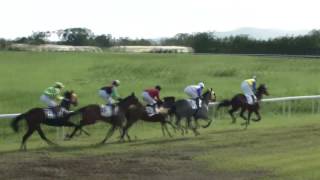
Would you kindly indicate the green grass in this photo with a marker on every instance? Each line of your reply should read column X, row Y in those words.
column 280, row 146
column 26, row 74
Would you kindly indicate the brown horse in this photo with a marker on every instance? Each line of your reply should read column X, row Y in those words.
column 138, row 111
column 92, row 113
column 36, row 116
column 240, row 101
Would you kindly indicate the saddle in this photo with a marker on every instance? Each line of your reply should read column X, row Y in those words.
column 250, row 99
column 193, row 104
column 108, row 110
column 150, row 110
column 50, row 114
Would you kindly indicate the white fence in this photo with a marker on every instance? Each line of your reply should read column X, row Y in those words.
column 286, row 102
column 281, row 99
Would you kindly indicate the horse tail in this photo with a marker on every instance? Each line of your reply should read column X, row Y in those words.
column 14, row 123
column 224, row 103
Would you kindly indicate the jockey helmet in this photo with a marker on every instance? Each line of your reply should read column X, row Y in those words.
column 201, row 84
column 158, row 87
column 254, row 77
column 59, row 85
column 116, row 82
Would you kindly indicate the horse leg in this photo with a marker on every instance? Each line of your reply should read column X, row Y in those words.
column 125, row 130
column 74, row 131
column 231, row 111
column 71, row 124
column 197, row 123
column 189, row 125
column 169, row 122
column 109, row 134
column 164, row 124
column 40, row 132
column 125, row 133
column 170, row 119
column 248, row 120
column 162, row 129
column 258, row 116
column 249, row 117
column 242, row 113
column 178, row 124
column 128, row 137
column 25, row 137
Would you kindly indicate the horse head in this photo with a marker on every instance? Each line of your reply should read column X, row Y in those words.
column 262, row 90
column 69, row 97
column 209, row 96
column 128, row 101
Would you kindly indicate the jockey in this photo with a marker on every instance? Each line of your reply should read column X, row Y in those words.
column 151, row 96
column 50, row 95
column 109, row 93
column 248, row 87
column 195, row 91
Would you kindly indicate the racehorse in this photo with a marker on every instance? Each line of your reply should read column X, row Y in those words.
column 240, row 101
column 138, row 111
column 183, row 109
column 37, row 116
column 91, row 114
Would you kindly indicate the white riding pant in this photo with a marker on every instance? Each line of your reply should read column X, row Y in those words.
column 106, row 97
column 247, row 91
column 147, row 98
column 191, row 92
column 48, row 101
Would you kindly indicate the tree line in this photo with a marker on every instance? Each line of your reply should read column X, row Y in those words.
column 201, row 42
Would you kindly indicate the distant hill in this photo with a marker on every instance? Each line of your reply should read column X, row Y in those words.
column 258, row 33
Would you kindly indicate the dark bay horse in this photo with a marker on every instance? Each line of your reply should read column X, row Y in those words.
column 91, row 114
column 183, row 109
column 239, row 101
column 138, row 111
column 36, row 116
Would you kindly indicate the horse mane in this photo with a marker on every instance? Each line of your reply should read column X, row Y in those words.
column 68, row 94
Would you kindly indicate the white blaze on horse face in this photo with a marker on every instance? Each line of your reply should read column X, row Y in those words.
column 74, row 99
column 213, row 96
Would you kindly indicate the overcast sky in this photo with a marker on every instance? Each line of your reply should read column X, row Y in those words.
column 155, row 18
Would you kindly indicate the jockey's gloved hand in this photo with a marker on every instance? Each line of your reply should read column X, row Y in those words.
column 159, row 101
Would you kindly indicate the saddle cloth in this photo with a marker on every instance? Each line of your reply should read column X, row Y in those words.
column 51, row 115
column 150, row 111
column 193, row 104
column 106, row 110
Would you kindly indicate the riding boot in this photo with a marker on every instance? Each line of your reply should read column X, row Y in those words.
column 113, row 111
column 253, row 99
column 154, row 106
column 198, row 105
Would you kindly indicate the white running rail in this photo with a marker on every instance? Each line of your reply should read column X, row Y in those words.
column 8, row 116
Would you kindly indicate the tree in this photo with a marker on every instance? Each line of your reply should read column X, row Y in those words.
column 103, row 40
column 38, row 38
column 202, row 42
column 76, row 36
column 3, row 43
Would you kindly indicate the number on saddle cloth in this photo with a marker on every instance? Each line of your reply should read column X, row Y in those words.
column 50, row 114
column 150, row 110
column 193, row 103
column 108, row 110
